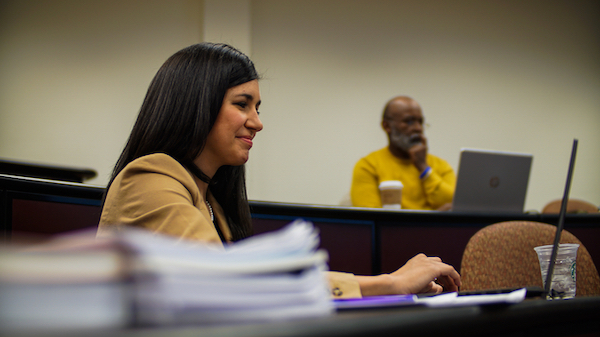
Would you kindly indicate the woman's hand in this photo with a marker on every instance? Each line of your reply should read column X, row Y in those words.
column 421, row 274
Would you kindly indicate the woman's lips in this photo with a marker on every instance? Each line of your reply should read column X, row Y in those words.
column 247, row 140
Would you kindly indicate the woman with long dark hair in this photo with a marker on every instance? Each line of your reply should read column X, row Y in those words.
column 173, row 126
column 181, row 172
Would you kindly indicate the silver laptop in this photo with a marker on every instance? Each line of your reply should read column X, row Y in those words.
column 491, row 181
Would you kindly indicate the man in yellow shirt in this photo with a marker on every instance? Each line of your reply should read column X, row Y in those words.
column 429, row 181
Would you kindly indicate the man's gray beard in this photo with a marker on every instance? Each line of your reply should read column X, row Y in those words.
column 404, row 141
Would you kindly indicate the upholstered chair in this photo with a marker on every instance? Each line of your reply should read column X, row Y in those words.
column 502, row 256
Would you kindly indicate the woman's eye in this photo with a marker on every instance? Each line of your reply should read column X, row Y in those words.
column 242, row 104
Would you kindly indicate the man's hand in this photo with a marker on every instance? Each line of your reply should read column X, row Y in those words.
column 418, row 154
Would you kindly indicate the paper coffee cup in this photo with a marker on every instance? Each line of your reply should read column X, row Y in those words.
column 391, row 193
column 563, row 284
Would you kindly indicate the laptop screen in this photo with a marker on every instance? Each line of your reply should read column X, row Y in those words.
column 491, row 181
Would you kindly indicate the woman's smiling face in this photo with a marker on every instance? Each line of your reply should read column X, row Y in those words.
column 230, row 139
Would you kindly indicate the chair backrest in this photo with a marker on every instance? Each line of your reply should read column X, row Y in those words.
column 502, row 256
column 573, row 206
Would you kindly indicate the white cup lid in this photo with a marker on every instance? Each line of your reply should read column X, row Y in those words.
column 391, row 184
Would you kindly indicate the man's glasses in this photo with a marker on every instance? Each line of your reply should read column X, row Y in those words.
column 410, row 122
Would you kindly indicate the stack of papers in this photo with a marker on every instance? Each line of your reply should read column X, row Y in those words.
column 142, row 278
column 273, row 276
column 70, row 282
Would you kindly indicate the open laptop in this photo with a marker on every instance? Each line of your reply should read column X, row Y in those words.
column 491, row 181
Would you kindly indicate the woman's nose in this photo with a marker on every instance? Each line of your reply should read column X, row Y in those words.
column 254, row 122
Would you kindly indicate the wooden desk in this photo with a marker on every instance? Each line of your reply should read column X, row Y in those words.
column 54, row 172
column 368, row 241
column 359, row 240
column 530, row 318
column 46, row 207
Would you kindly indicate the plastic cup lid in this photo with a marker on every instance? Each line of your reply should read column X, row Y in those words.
column 391, row 184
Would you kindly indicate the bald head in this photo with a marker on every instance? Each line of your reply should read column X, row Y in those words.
column 398, row 105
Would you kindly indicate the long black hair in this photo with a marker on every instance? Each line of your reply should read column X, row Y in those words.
column 179, row 110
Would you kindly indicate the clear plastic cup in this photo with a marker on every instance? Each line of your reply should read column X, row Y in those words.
column 391, row 193
column 564, row 276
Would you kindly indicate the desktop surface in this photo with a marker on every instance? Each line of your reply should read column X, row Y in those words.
column 531, row 317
